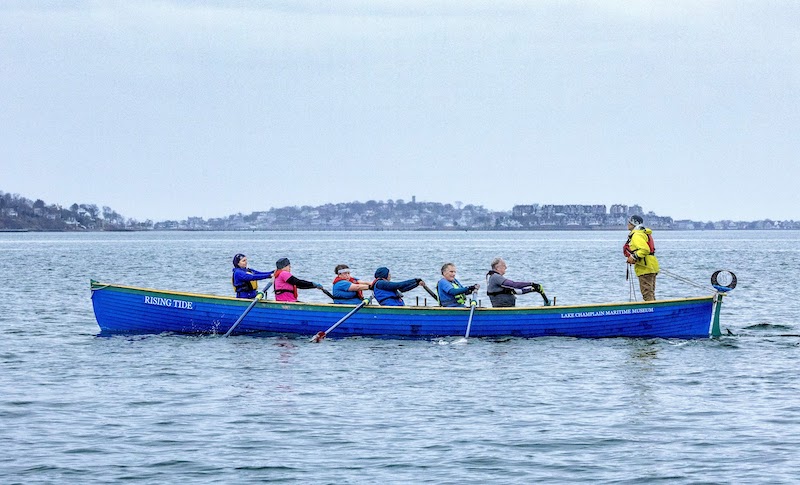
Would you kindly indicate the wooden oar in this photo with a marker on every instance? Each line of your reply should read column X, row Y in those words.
column 258, row 297
column 433, row 295
column 472, row 305
column 321, row 335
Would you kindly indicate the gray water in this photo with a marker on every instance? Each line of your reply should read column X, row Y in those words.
column 77, row 408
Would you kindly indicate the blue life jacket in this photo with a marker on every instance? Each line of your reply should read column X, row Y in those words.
column 445, row 298
column 244, row 289
column 384, row 296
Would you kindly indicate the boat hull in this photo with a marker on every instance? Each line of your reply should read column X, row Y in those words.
column 131, row 310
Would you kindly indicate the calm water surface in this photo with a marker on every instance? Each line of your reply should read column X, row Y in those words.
column 76, row 408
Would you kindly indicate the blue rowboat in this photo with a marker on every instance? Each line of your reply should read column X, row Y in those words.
column 131, row 310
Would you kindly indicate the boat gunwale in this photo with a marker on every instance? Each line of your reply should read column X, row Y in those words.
column 96, row 286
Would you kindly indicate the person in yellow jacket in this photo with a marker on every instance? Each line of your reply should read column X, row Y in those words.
column 640, row 252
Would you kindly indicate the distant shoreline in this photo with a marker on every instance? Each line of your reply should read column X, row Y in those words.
column 528, row 229
column 19, row 214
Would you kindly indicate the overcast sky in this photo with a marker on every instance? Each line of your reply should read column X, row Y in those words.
column 170, row 109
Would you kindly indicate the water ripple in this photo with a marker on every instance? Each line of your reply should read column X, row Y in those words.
column 77, row 408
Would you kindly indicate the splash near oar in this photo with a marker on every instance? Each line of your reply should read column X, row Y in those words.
column 258, row 297
column 321, row 335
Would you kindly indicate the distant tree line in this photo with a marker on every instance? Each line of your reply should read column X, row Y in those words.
column 20, row 213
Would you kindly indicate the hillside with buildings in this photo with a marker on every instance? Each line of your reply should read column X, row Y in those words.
column 413, row 215
column 20, row 214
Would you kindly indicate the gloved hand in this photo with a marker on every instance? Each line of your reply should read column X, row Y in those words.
column 537, row 288
column 472, row 288
column 418, row 280
column 318, row 286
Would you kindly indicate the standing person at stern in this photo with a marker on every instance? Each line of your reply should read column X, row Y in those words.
column 640, row 252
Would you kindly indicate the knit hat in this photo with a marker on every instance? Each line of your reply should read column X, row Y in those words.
column 238, row 258
column 282, row 263
column 382, row 272
column 635, row 220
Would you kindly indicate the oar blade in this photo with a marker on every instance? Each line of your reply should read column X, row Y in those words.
column 321, row 335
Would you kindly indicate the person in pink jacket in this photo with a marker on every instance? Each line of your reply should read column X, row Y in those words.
column 286, row 284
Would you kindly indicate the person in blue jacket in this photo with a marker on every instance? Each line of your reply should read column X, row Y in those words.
column 388, row 292
column 244, row 279
column 451, row 291
column 347, row 290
